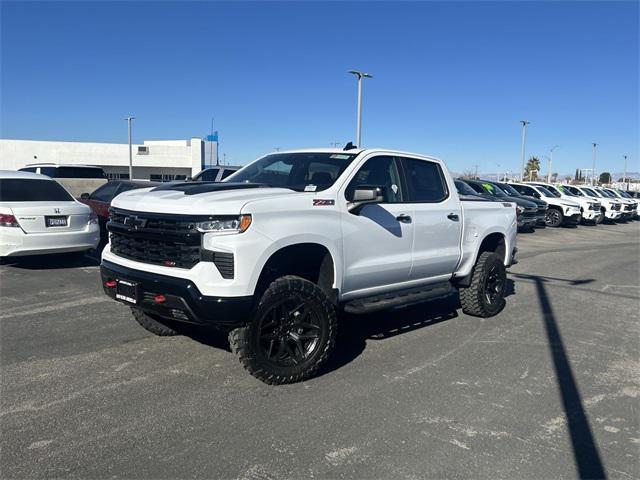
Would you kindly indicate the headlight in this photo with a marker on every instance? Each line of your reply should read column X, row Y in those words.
column 225, row 225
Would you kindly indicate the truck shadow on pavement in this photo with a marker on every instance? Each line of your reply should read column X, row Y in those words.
column 585, row 451
column 356, row 330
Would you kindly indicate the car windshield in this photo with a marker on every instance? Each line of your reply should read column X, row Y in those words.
column 554, row 191
column 624, row 194
column 509, row 190
column 590, row 192
column 604, row 193
column 545, row 192
column 612, row 193
column 301, row 171
column 464, row 189
column 566, row 191
column 32, row 190
column 493, row 190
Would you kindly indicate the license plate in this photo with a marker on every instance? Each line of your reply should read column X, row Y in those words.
column 55, row 221
column 127, row 291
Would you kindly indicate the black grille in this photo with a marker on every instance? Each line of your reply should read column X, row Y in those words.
column 225, row 263
column 159, row 239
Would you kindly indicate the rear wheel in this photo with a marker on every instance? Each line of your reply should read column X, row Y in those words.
column 154, row 324
column 554, row 217
column 292, row 333
column 484, row 297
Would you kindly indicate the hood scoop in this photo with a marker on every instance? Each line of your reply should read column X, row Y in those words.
column 196, row 188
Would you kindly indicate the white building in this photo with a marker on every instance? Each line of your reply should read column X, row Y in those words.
column 152, row 160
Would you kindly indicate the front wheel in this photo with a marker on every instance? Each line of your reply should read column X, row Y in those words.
column 600, row 218
column 292, row 333
column 554, row 217
column 484, row 297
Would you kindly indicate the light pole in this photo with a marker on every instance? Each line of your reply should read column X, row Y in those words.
column 524, row 136
column 585, row 172
column 360, row 76
column 128, row 119
column 593, row 165
column 551, row 162
column 624, row 178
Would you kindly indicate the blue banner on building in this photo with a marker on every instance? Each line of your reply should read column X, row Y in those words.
column 213, row 138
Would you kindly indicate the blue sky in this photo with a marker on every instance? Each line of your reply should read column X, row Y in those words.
column 451, row 79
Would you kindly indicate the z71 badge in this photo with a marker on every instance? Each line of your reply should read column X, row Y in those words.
column 317, row 202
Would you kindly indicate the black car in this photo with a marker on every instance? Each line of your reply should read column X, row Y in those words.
column 527, row 211
column 542, row 205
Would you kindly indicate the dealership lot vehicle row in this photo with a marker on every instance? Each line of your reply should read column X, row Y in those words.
column 424, row 391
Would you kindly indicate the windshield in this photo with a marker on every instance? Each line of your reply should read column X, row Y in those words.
column 590, row 192
column 624, row 194
column 510, row 190
column 612, row 193
column 566, row 191
column 554, row 191
column 493, row 190
column 545, row 192
column 28, row 190
column 301, row 171
column 604, row 193
column 464, row 189
column 574, row 191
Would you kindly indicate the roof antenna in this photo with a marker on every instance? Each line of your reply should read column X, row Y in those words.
column 349, row 146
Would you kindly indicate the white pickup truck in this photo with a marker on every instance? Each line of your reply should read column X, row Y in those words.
column 274, row 253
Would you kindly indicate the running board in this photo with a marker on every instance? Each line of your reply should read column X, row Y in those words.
column 400, row 298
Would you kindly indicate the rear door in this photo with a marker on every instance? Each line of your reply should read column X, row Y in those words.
column 437, row 220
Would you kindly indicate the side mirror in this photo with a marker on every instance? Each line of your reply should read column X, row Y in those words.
column 84, row 196
column 365, row 194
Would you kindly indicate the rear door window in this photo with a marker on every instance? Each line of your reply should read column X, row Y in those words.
column 27, row 190
column 226, row 172
column 208, row 175
column 425, row 181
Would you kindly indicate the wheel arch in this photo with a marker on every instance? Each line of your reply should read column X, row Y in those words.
column 312, row 260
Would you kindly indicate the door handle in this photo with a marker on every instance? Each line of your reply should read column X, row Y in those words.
column 403, row 218
column 453, row 216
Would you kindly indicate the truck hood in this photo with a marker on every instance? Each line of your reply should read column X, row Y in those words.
column 196, row 198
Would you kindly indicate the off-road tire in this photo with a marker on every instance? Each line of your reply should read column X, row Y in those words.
column 154, row 324
column 472, row 298
column 600, row 218
column 246, row 341
column 554, row 217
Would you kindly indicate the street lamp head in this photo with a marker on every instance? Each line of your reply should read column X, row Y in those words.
column 524, row 122
column 360, row 74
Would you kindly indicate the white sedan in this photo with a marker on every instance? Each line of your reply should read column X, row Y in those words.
column 38, row 216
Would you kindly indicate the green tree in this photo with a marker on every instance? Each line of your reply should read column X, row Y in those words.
column 533, row 167
column 605, row 177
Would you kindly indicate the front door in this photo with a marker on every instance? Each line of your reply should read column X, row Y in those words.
column 377, row 240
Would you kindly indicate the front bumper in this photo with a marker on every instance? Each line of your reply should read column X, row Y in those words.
column 572, row 219
column 590, row 215
column 14, row 242
column 182, row 302
column 612, row 214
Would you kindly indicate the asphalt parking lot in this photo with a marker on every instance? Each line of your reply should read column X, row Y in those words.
column 549, row 388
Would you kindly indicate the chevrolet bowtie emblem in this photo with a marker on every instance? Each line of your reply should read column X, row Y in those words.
column 135, row 222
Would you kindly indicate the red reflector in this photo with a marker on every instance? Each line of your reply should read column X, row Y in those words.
column 110, row 284
column 159, row 298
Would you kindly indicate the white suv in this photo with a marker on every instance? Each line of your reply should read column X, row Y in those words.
column 560, row 212
column 609, row 207
column 37, row 216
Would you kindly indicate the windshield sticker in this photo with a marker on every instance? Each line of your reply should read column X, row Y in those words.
column 394, row 187
column 319, row 202
column 340, row 156
column 310, row 188
column 488, row 187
